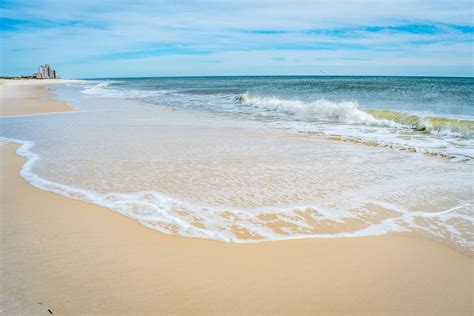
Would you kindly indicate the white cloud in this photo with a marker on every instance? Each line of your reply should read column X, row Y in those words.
column 74, row 35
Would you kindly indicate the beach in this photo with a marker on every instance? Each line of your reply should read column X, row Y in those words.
column 74, row 257
column 34, row 99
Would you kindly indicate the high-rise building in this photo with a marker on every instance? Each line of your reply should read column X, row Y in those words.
column 46, row 72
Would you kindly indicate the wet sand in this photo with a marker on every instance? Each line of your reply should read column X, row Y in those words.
column 77, row 258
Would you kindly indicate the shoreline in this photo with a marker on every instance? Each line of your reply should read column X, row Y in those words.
column 23, row 151
column 95, row 261
column 31, row 96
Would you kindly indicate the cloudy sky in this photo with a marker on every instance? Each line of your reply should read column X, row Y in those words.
column 90, row 38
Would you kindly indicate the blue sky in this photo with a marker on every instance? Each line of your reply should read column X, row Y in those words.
column 86, row 39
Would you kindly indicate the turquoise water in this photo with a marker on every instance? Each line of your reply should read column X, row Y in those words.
column 436, row 96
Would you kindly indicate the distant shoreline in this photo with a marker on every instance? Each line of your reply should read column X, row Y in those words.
column 31, row 96
column 34, row 81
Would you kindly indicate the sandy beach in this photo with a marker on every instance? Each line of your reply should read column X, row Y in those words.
column 72, row 257
column 26, row 97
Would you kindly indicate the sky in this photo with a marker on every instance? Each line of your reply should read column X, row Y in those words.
column 97, row 39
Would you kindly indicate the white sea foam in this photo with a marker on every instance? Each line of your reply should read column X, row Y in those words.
column 437, row 136
column 345, row 112
column 350, row 112
column 102, row 89
column 173, row 216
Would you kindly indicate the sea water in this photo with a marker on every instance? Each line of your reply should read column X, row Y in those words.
column 244, row 159
column 436, row 113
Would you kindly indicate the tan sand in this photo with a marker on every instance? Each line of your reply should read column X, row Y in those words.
column 77, row 258
column 23, row 97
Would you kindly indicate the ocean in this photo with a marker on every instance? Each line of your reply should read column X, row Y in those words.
column 247, row 159
column 437, row 113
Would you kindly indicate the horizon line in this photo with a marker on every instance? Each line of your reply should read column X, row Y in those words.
column 240, row 76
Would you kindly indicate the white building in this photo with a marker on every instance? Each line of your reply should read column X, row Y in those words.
column 46, row 72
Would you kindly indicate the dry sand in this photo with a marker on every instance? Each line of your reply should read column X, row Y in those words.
column 23, row 97
column 77, row 258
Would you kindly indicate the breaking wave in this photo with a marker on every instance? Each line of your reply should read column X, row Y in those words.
column 430, row 124
column 350, row 112
column 322, row 109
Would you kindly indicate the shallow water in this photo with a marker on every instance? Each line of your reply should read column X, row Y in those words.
column 201, row 173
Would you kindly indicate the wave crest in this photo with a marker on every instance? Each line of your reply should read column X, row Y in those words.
column 349, row 112
column 344, row 112
column 434, row 125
